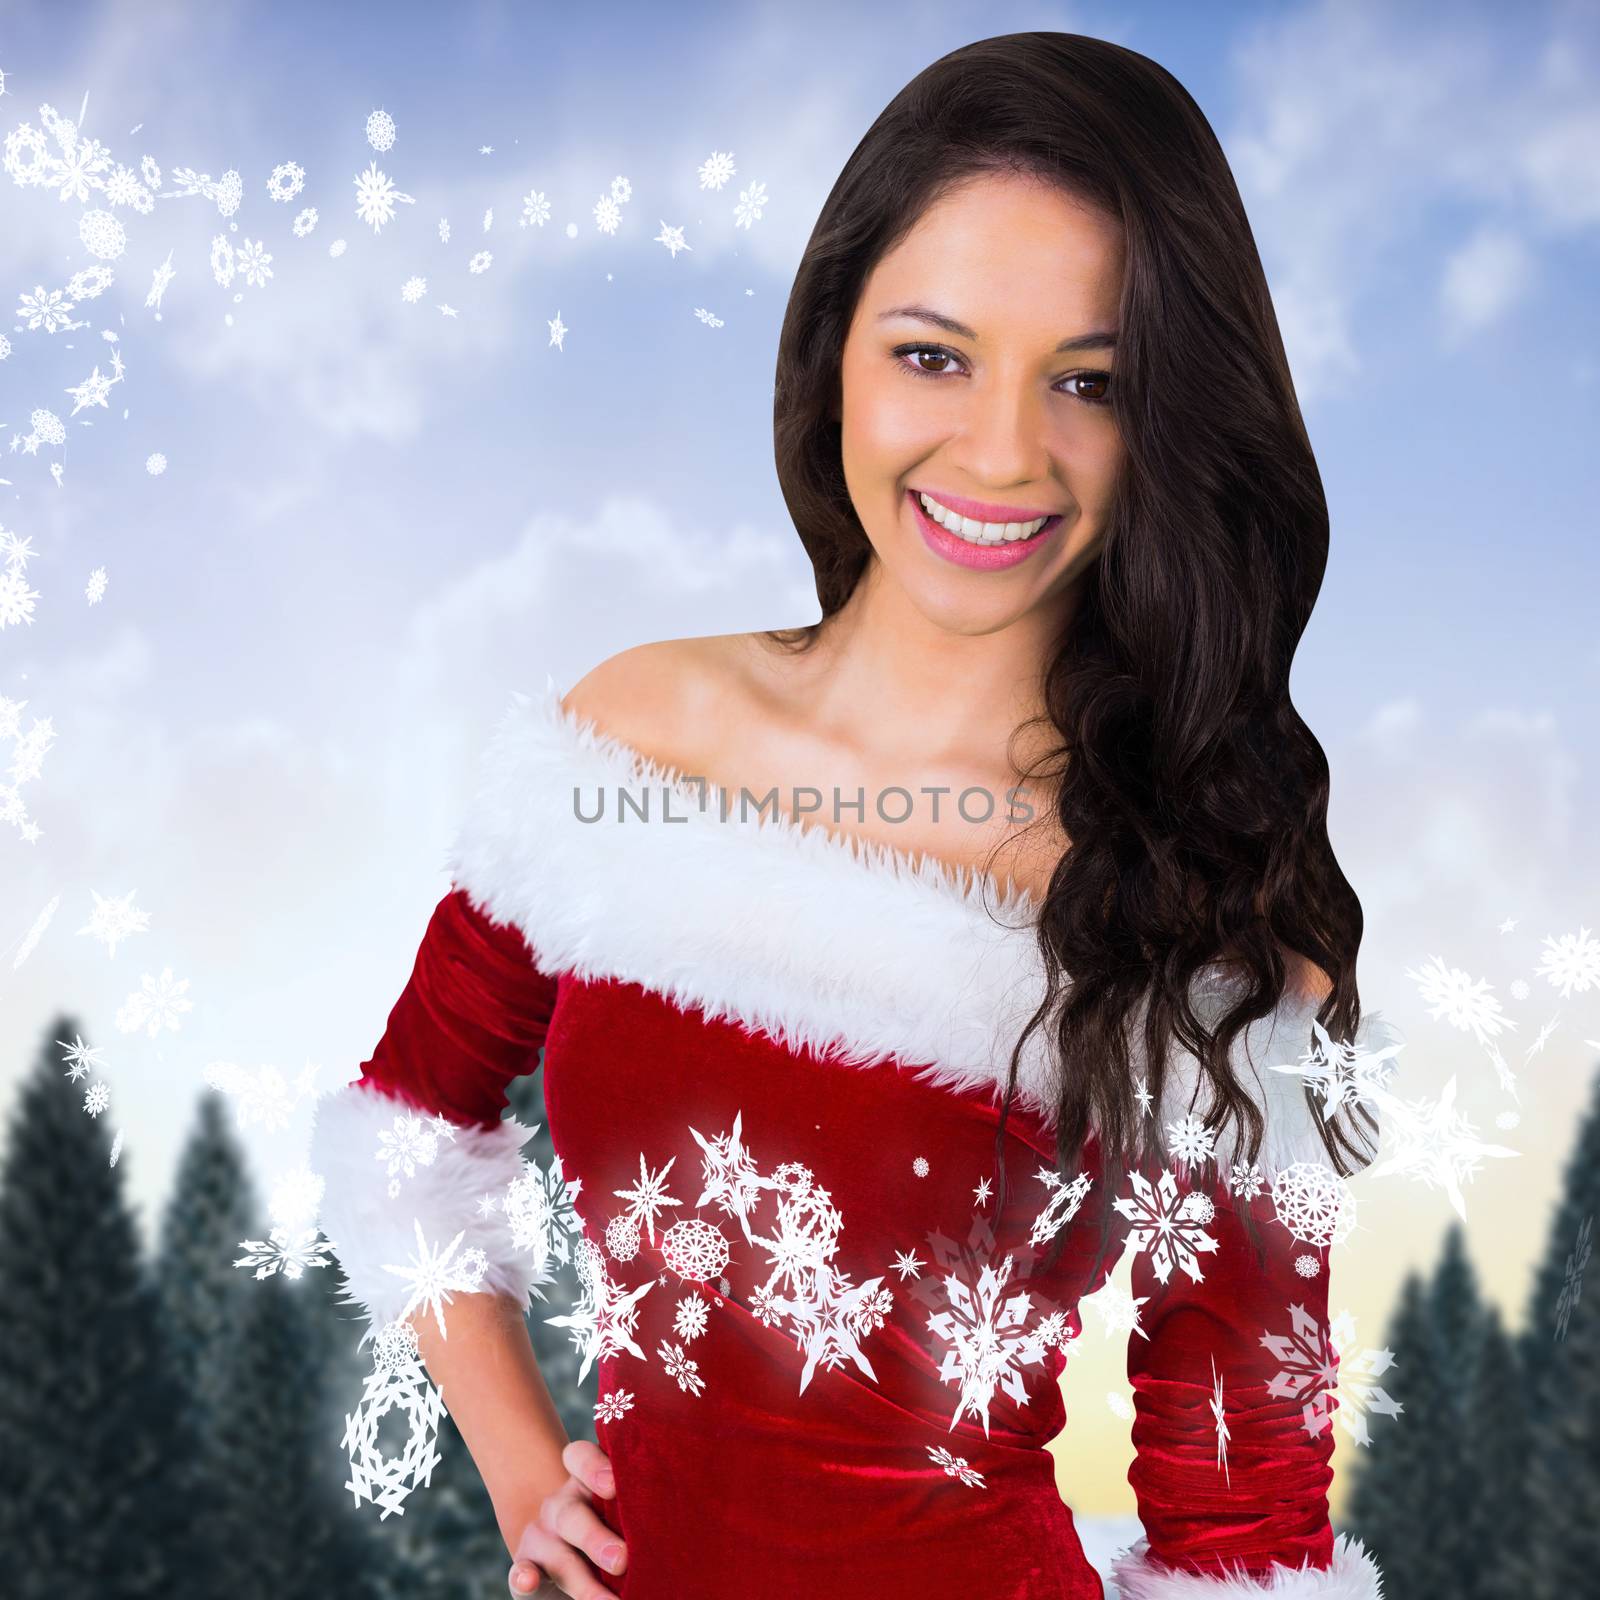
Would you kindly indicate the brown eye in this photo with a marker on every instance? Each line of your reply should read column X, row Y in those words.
column 927, row 350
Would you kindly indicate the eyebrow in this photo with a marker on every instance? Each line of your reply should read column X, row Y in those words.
column 1099, row 340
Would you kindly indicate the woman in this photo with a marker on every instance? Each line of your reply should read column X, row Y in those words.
column 862, row 1097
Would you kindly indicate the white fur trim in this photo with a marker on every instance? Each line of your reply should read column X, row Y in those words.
column 823, row 941
column 817, row 939
column 369, row 1230
column 1352, row 1575
column 1291, row 1128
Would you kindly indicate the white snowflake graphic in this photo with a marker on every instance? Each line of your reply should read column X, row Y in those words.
column 1571, row 962
column 387, row 1480
column 1572, row 1284
column 1161, row 1227
column 1310, row 1359
column 1314, row 1203
column 1463, row 1002
column 1435, row 1144
column 679, row 1366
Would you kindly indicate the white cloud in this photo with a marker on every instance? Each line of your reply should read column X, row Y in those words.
column 1356, row 120
column 1483, row 280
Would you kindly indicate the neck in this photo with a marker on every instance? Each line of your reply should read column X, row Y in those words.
column 889, row 679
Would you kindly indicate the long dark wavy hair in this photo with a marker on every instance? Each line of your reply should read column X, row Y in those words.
column 1195, row 797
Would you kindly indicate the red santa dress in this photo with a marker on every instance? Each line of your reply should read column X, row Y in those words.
column 774, row 1058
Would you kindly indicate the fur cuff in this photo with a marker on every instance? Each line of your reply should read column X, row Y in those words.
column 369, row 1231
column 1352, row 1575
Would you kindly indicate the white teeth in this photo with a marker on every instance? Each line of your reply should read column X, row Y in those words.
column 979, row 532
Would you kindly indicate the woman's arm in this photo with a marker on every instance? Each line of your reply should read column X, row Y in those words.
column 492, row 1387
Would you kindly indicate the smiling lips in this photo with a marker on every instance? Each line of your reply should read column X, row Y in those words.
column 1001, row 536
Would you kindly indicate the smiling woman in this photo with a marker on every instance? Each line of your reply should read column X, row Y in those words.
column 858, row 1122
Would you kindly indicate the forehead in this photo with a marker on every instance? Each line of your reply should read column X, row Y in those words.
column 998, row 250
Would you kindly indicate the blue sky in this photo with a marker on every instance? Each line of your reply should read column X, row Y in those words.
column 375, row 520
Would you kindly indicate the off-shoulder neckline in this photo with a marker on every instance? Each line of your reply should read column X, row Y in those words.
column 967, row 886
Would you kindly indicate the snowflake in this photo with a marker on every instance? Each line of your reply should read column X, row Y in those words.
column 613, row 1406
column 413, row 289
column 158, row 1002
column 82, row 1057
column 113, row 920
column 1314, row 1203
column 1219, row 1421
column 286, row 1250
column 535, row 209
column 395, row 1347
column 648, row 1196
column 1063, row 1204
column 407, row 1144
column 95, row 590
column 621, row 190
column 96, row 1098
column 305, row 222
column 434, row 1277
column 263, row 1096
column 1307, row 1266
column 622, row 1238
column 1572, row 1285
column 716, row 169
column 603, row 1321
column 480, row 261
column 540, row 1209
column 380, row 130
column 607, row 214
column 286, row 180
column 920, row 1166
column 1308, row 1372
column 116, row 1148
column 734, row 1183
column 376, row 197
column 679, row 1366
column 689, row 1318
column 695, row 1249
column 906, row 1263
column 1117, row 1310
column 1197, row 1206
column 986, row 1342
column 296, row 1197
column 831, row 1315
column 1571, row 963
column 1342, row 1073
column 1190, row 1140
column 387, row 1480
column 1160, row 1226
column 1118, row 1405
column 1466, row 1005
column 751, row 202
column 1435, row 1143
column 1357, row 1395
column 708, row 318
column 956, row 1467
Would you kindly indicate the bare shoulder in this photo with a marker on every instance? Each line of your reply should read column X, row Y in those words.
column 663, row 697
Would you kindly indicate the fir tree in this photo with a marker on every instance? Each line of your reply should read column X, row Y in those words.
column 1389, row 1479
column 1496, row 1519
column 1452, row 1345
column 280, row 1532
column 203, row 1297
column 86, row 1492
column 1555, row 1553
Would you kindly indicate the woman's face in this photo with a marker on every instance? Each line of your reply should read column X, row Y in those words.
column 989, row 418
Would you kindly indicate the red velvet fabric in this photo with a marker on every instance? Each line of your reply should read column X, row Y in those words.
column 752, row 1486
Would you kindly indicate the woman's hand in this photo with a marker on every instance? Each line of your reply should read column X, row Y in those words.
column 569, row 1534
